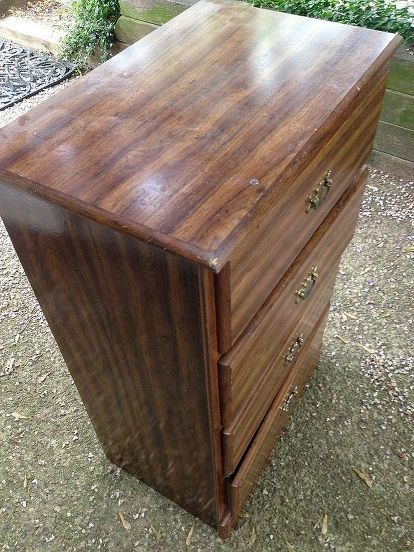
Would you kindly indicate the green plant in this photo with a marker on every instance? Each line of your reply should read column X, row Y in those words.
column 92, row 31
column 382, row 15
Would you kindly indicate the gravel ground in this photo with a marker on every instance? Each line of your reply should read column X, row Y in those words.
column 7, row 115
column 340, row 479
column 55, row 13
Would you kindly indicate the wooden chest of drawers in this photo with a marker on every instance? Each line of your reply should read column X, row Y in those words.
column 180, row 213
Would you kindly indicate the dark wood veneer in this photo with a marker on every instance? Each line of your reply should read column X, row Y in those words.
column 166, row 137
column 136, row 328
column 158, row 205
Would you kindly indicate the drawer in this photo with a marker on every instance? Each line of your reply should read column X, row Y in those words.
column 275, row 421
column 297, row 210
column 239, row 433
column 309, row 278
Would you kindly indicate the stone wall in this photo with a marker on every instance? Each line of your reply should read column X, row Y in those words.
column 140, row 17
column 395, row 134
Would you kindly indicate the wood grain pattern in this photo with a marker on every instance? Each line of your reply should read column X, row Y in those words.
column 272, row 426
column 136, row 328
column 237, row 435
column 184, row 137
column 243, row 366
column 156, row 203
column 287, row 226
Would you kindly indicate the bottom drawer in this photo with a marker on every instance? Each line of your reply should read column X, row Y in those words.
column 274, row 422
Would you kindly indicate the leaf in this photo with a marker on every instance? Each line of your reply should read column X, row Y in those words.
column 343, row 339
column 125, row 523
column 25, row 482
column 157, row 534
column 367, row 349
column 42, row 378
column 324, row 529
column 362, row 474
column 409, row 249
column 349, row 315
column 252, row 538
column 18, row 416
column 189, row 536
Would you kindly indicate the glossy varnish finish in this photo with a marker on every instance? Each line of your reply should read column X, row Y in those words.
column 132, row 323
column 239, row 433
column 158, row 205
column 184, row 136
column 244, row 365
column 288, row 224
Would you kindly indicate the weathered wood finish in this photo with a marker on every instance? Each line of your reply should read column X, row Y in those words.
column 243, row 366
column 156, row 205
column 135, row 327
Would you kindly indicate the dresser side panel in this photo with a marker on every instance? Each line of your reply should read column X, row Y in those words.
column 132, row 324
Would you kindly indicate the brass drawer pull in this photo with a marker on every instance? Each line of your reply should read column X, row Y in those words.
column 289, row 399
column 294, row 349
column 318, row 196
column 307, row 285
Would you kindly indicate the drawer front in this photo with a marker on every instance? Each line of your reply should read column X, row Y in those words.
column 297, row 213
column 308, row 279
column 274, row 423
column 238, row 435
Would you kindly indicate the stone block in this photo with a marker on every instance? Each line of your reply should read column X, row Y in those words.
column 402, row 72
column 130, row 30
column 157, row 12
column 395, row 140
column 33, row 34
column 398, row 109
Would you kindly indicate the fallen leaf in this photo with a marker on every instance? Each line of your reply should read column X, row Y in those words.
column 25, row 482
column 125, row 523
column 362, row 474
column 189, row 536
column 16, row 339
column 349, row 315
column 324, row 529
column 18, row 416
column 365, row 271
column 409, row 249
column 252, row 538
column 367, row 349
column 158, row 534
column 42, row 378
column 343, row 339
column 386, row 315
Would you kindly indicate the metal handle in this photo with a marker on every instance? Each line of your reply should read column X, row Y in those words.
column 294, row 349
column 307, row 285
column 318, row 196
column 289, row 399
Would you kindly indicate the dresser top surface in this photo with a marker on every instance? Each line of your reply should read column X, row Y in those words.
column 183, row 137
